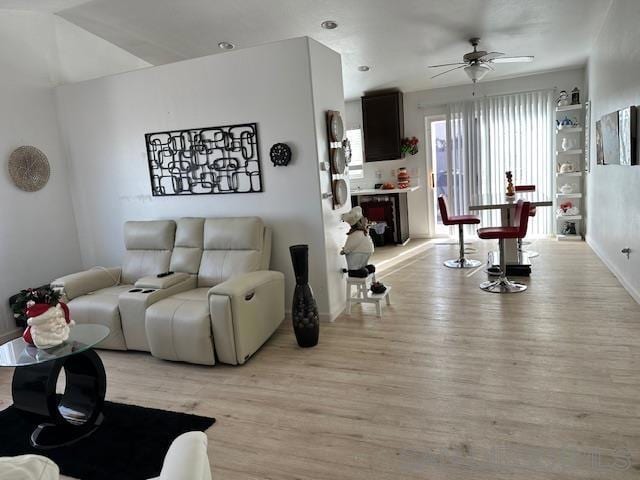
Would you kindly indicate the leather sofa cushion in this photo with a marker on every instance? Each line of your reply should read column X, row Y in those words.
column 149, row 235
column 187, row 252
column 101, row 307
column 244, row 233
column 218, row 266
column 179, row 328
column 143, row 263
column 186, row 260
column 189, row 232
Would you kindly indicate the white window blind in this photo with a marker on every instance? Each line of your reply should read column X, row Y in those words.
column 490, row 136
column 356, row 165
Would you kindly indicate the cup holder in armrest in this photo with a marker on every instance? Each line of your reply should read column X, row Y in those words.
column 148, row 291
column 135, row 290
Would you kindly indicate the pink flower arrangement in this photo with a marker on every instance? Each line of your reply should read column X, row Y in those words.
column 409, row 145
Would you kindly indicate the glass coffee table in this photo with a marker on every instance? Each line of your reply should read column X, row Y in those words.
column 76, row 413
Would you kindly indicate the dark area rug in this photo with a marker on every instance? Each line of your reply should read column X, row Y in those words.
column 130, row 444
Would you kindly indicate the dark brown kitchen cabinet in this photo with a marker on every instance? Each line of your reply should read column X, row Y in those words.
column 383, row 126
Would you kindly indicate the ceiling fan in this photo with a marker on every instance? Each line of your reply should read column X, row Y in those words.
column 478, row 63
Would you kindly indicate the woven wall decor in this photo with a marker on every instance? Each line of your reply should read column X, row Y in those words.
column 29, row 168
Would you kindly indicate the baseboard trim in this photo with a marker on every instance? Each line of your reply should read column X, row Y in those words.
column 635, row 294
column 10, row 335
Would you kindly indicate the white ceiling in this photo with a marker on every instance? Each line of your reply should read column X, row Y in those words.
column 39, row 5
column 397, row 38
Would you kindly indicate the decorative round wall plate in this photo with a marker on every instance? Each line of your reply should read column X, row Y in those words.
column 338, row 162
column 29, row 168
column 341, row 192
column 280, row 154
column 337, row 128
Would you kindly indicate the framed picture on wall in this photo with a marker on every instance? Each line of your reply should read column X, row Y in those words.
column 611, row 139
column 599, row 144
column 587, row 136
column 627, row 135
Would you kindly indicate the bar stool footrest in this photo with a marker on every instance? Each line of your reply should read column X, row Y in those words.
column 502, row 285
column 463, row 263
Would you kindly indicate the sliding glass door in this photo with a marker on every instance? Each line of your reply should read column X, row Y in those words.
column 438, row 170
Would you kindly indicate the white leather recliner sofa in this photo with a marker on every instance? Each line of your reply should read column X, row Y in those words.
column 94, row 296
column 220, row 303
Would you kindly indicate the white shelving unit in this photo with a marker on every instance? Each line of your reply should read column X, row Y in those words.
column 569, row 108
column 568, row 195
column 574, row 156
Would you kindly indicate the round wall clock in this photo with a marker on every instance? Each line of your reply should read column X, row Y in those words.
column 29, row 168
column 280, row 154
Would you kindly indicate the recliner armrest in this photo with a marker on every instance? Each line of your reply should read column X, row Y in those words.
column 153, row 281
column 245, row 284
column 245, row 311
column 82, row 283
column 187, row 458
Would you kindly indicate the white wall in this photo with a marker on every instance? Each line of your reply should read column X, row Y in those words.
column 418, row 105
column 613, row 199
column 328, row 94
column 38, row 231
column 104, row 122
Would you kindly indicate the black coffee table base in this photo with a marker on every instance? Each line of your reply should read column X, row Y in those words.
column 67, row 418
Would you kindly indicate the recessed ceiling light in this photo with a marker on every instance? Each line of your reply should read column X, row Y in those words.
column 329, row 24
column 226, row 46
column 364, row 68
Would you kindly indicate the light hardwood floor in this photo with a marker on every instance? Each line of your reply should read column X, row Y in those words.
column 452, row 383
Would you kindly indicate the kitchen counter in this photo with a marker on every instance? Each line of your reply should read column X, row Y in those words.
column 380, row 191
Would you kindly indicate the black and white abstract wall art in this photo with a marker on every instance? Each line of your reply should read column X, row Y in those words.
column 204, row 161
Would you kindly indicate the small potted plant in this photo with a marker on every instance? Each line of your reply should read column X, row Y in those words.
column 409, row 145
column 20, row 302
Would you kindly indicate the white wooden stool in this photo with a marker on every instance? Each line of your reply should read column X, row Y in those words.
column 364, row 295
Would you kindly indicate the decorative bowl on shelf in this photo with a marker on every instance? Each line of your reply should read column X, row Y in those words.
column 567, row 188
column 567, row 168
column 568, row 144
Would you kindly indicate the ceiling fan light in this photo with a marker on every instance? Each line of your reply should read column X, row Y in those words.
column 476, row 71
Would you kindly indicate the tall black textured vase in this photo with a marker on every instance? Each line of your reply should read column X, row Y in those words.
column 304, row 311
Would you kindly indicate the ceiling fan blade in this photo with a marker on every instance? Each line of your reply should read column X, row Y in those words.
column 450, row 70
column 491, row 56
column 524, row 59
column 446, row 65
